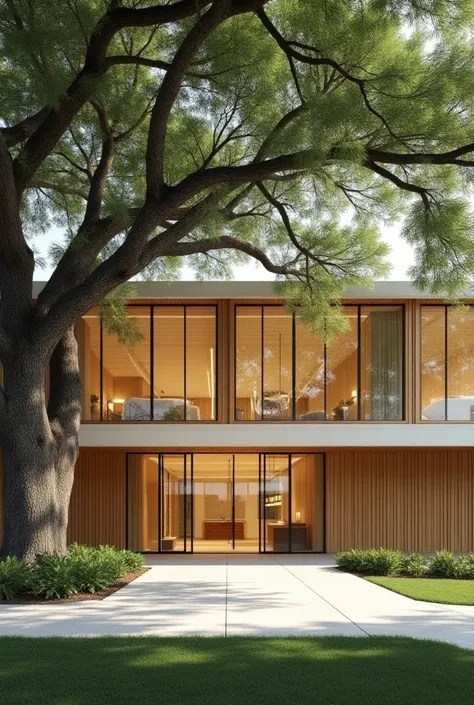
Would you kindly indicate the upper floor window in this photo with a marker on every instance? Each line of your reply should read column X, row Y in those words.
column 447, row 363
column 284, row 372
column 169, row 374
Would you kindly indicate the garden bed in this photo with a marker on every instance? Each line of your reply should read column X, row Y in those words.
column 83, row 573
column 29, row 599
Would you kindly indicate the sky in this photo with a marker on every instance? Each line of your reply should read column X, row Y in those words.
column 401, row 259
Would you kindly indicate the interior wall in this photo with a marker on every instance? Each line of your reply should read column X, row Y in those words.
column 412, row 500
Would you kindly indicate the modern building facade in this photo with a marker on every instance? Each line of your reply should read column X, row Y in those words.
column 230, row 427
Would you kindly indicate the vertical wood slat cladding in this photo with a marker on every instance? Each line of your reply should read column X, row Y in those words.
column 409, row 500
column 97, row 509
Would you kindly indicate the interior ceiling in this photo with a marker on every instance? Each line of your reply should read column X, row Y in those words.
column 218, row 467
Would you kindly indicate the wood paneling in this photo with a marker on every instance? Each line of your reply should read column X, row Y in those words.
column 411, row 500
column 97, row 509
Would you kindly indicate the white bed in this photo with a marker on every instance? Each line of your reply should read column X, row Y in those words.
column 136, row 408
column 459, row 409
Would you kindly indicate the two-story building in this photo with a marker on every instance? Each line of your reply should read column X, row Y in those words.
column 231, row 427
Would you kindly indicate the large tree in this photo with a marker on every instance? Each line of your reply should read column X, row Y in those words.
column 277, row 130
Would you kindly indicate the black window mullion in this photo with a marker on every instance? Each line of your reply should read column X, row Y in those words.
column 359, row 362
column 293, row 368
column 262, row 369
column 259, row 503
column 161, row 503
column 185, row 358
column 290, row 546
column 101, row 370
column 152, row 361
column 185, row 501
column 233, row 501
column 446, row 363
column 192, row 503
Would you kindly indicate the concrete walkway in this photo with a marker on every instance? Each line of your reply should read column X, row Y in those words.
column 245, row 595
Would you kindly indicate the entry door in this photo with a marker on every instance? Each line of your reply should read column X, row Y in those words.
column 292, row 502
column 176, row 502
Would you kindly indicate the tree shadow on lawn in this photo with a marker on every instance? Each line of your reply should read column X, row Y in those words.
column 323, row 671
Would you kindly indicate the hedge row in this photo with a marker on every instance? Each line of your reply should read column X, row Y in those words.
column 81, row 570
column 384, row 561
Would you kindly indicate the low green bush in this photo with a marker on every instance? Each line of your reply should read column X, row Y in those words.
column 416, row 565
column 443, row 564
column 384, row 561
column 83, row 569
column 466, row 567
column 53, row 577
column 372, row 561
column 14, row 575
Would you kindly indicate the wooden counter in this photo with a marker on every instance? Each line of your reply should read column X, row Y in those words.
column 214, row 529
column 278, row 536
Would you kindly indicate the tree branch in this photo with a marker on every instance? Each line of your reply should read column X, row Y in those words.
column 169, row 90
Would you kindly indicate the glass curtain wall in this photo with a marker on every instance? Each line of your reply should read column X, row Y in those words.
column 285, row 372
column 220, row 503
column 165, row 371
column 447, row 363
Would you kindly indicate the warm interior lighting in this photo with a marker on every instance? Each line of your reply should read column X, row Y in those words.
column 298, row 516
column 118, row 401
column 354, row 394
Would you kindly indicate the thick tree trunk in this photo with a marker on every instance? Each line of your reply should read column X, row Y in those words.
column 39, row 450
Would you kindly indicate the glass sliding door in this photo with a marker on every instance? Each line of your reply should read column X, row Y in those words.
column 225, row 502
column 246, row 502
column 175, row 505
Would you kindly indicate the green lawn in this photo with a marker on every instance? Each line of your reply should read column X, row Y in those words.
column 451, row 592
column 240, row 671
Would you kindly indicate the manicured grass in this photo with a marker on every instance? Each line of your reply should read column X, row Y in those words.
column 239, row 671
column 450, row 592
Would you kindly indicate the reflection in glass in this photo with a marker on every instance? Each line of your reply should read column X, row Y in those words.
column 276, row 404
column 168, row 350
column 381, row 363
column 201, row 363
column 341, row 371
column 433, row 360
column 248, row 373
column 309, row 368
column 126, row 372
column 88, row 339
column 276, row 503
column 246, row 502
column 175, row 509
column 461, row 363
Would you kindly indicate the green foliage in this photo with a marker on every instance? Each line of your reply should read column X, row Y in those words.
column 416, row 97
column 416, row 565
column 14, row 575
column 374, row 561
column 444, row 564
column 53, row 577
column 82, row 570
column 175, row 413
column 382, row 561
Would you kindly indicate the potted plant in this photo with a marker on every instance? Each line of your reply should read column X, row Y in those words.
column 175, row 413
column 94, row 402
column 340, row 412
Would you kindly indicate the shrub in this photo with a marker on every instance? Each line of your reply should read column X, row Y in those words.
column 465, row 567
column 416, row 565
column 97, row 568
column 443, row 564
column 14, row 574
column 373, row 561
column 53, row 576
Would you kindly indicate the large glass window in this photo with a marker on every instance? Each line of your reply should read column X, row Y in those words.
column 381, row 366
column 284, row 372
column 447, row 363
column 168, row 374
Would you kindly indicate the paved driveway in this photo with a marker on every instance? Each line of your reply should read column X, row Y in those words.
column 245, row 595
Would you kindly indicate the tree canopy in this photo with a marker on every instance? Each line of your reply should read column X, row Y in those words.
column 283, row 131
